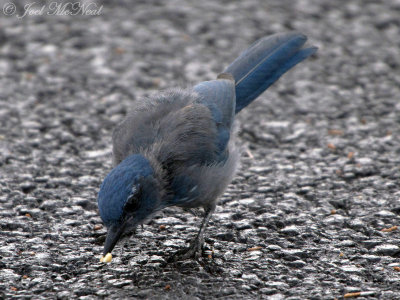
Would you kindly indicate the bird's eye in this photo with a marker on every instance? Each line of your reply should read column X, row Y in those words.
column 133, row 202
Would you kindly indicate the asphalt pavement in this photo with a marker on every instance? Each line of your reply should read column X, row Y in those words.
column 312, row 213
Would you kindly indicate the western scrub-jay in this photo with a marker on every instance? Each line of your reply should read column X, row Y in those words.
column 177, row 148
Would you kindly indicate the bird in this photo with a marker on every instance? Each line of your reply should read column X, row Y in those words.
column 178, row 147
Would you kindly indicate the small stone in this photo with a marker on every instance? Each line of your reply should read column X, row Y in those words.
column 274, row 248
column 347, row 243
column 228, row 291
column 297, row 264
column 252, row 278
column 277, row 297
column 291, row 230
column 156, row 259
column 385, row 214
column 63, row 295
column 371, row 243
column 387, row 250
column 102, row 293
column 49, row 205
column 371, row 258
column 351, row 269
column 226, row 236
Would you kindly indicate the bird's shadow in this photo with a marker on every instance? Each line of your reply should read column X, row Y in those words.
column 205, row 260
column 209, row 265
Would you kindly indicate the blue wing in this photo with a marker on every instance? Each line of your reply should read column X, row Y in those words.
column 264, row 62
column 219, row 97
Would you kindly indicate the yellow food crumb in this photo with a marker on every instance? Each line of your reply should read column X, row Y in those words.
column 351, row 295
column 331, row 146
column 389, row 229
column 254, row 248
column 106, row 259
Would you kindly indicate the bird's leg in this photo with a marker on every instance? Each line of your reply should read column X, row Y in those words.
column 193, row 212
column 195, row 248
column 199, row 240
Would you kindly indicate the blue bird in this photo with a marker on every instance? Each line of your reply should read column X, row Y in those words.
column 178, row 148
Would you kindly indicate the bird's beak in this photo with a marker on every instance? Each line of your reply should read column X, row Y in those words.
column 114, row 233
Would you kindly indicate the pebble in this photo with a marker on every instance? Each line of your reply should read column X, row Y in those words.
column 386, row 249
column 291, row 230
column 297, row 263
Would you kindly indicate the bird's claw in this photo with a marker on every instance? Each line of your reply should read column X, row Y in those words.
column 194, row 251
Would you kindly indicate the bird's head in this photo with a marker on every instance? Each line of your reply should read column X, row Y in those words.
column 128, row 196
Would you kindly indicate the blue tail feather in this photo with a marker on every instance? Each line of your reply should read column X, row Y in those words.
column 264, row 62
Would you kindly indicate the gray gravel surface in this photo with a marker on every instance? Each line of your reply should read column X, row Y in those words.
column 320, row 167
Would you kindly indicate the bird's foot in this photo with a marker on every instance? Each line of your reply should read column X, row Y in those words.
column 194, row 251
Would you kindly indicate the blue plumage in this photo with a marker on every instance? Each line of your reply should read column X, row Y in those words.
column 119, row 185
column 178, row 148
column 219, row 97
column 264, row 62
